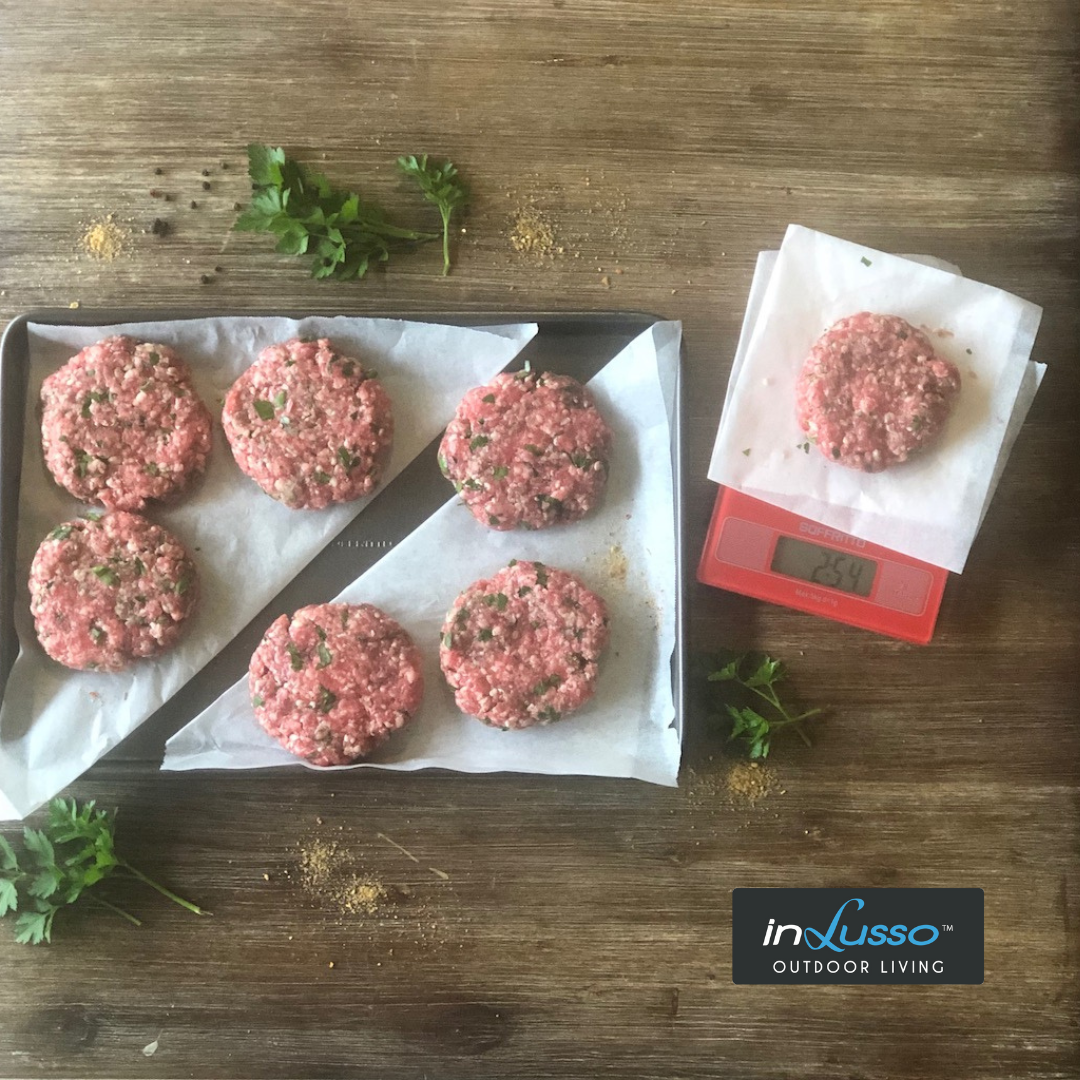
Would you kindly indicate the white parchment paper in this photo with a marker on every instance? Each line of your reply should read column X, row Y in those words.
column 55, row 723
column 1029, row 384
column 628, row 729
column 929, row 507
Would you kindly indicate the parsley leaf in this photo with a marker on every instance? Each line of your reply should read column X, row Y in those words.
column 72, row 854
column 442, row 186
column 343, row 233
column 748, row 679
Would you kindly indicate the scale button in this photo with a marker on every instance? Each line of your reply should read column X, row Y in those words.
column 903, row 588
column 744, row 543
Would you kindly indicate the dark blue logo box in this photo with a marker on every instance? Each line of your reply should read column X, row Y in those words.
column 857, row 935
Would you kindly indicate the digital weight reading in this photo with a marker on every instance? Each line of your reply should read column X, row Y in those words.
column 824, row 566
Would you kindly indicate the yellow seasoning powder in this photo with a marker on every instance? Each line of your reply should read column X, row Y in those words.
column 104, row 238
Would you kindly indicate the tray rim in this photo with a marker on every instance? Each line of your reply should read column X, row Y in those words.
column 14, row 340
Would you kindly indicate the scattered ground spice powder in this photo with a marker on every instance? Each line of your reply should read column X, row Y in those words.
column 616, row 564
column 105, row 238
column 750, row 781
column 531, row 233
column 328, row 875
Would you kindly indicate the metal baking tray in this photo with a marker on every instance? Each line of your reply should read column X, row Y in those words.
column 575, row 343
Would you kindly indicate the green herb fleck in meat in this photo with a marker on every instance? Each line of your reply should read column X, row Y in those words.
column 462, row 617
column 152, row 468
column 551, row 503
column 448, row 640
column 485, row 634
column 492, row 519
column 443, row 467
column 533, row 449
column 280, row 398
column 154, row 359
column 295, row 658
column 257, row 702
column 541, row 575
column 544, row 685
column 325, row 656
column 549, row 713
column 580, row 461
column 473, row 485
column 95, row 397
column 97, row 635
column 478, row 441
column 327, row 700
column 140, row 567
column 347, row 460
column 61, row 532
column 82, row 462
column 496, row 600
column 321, row 477
column 500, row 471
column 264, row 409
column 105, row 574
column 488, row 399
column 524, row 590
column 183, row 585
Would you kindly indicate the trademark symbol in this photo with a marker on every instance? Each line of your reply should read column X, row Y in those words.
column 947, row 927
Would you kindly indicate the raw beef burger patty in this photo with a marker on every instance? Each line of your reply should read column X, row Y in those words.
column 122, row 424
column 108, row 592
column 335, row 681
column 311, row 427
column 528, row 450
column 873, row 392
column 523, row 647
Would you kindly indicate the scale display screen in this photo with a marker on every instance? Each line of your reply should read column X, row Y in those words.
column 824, row 566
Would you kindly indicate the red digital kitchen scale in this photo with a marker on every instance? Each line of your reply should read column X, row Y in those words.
column 762, row 551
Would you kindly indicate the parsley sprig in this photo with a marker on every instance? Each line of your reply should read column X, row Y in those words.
column 442, row 186
column 740, row 683
column 342, row 232
column 59, row 864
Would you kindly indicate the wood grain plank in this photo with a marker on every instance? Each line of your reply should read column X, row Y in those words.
column 585, row 925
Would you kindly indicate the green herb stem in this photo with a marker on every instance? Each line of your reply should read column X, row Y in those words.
column 194, row 908
column 102, row 902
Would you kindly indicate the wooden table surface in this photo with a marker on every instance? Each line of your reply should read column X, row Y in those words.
column 584, row 928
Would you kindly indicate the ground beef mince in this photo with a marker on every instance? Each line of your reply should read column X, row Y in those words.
column 523, row 647
column 310, row 426
column 110, row 591
column 528, row 450
column 334, row 681
column 873, row 392
column 122, row 424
